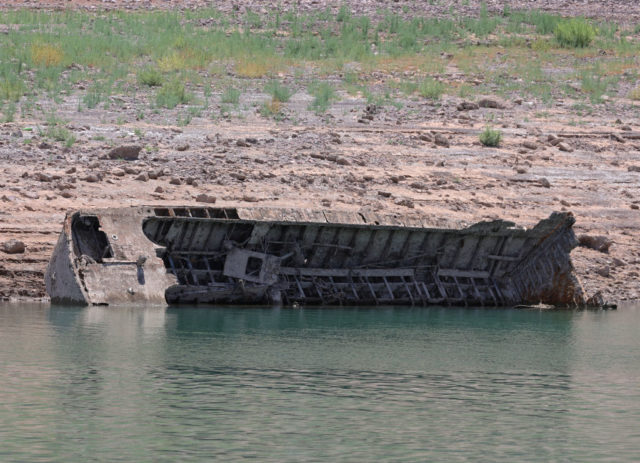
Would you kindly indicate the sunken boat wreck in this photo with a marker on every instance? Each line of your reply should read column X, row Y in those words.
column 217, row 255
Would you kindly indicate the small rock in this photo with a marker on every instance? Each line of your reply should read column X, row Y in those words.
column 91, row 178
column 467, row 106
column 175, row 181
column 544, row 183
column 13, row 247
column 626, row 128
column 635, row 207
column 604, row 271
column 44, row 146
column 521, row 170
column 159, row 189
column 618, row 262
column 564, row 147
column 66, row 194
column 618, row 138
column 596, row 242
column 143, row 177
column 182, row 147
column 441, row 140
column 128, row 153
column 117, row 172
column 384, row 194
column 633, row 169
column 405, row 202
column 530, row 144
column 250, row 199
column 490, row 103
column 205, row 198
column 242, row 143
column 42, row 177
column 70, row 170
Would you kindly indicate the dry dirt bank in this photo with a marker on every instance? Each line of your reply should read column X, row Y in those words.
column 380, row 166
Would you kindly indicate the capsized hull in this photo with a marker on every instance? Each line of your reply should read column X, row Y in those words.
column 211, row 255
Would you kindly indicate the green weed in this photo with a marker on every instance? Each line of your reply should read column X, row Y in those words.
column 323, row 93
column 574, row 33
column 431, row 88
column 150, row 77
column 172, row 94
column 278, row 91
column 490, row 137
column 230, row 95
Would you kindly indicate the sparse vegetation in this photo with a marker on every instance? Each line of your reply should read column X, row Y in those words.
column 278, row 91
column 172, row 94
column 323, row 93
column 574, row 33
column 150, row 77
column 230, row 95
column 431, row 88
column 490, row 137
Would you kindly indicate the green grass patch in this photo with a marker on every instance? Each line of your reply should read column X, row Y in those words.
column 151, row 77
column 230, row 95
column 575, row 33
column 490, row 137
column 278, row 91
column 323, row 93
column 172, row 94
column 431, row 88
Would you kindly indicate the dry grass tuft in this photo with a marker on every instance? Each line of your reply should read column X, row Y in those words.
column 46, row 55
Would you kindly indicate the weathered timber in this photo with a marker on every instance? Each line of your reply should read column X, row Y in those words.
column 286, row 256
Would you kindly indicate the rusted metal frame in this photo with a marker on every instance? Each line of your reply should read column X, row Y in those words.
column 373, row 293
column 194, row 230
column 409, row 291
column 205, row 243
column 386, row 283
column 494, row 266
column 386, row 249
column 438, row 283
column 457, row 284
column 405, row 245
column 353, row 288
column 344, row 272
column 191, row 272
column 475, row 289
column 206, row 263
column 479, row 240
column 372, row 234
column 309, row 246
column 334, row 244
column 184, row 226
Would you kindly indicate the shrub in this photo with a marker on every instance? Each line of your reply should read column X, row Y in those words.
column 574, row 33
column 323, row 93
column 46, row 55
column 172, row 94
column 490, row 137
column 151, row 77
column 635, row 94
column 251, row 68
column 230, row 95
column 271, row 108
column 11, row 88
column 431, row 88
column 278, row 91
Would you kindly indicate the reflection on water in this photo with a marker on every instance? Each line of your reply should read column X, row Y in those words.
column 394, row 384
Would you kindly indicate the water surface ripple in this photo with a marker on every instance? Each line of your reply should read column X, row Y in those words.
column 348, row 385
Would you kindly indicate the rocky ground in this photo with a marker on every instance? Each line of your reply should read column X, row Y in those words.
column 423, row 158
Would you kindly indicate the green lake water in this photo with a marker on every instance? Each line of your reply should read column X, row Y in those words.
column 321, row 385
